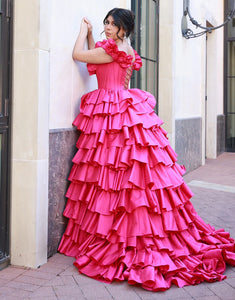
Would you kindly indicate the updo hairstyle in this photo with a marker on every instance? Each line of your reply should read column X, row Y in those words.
column 124, row 18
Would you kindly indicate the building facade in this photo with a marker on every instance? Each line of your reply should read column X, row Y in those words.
column 45, row 87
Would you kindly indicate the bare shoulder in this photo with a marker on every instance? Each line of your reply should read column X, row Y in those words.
column 130, row 50
column 126, row 48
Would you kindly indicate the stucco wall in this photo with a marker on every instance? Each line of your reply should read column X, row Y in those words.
column 47, row 86
column 70, row 80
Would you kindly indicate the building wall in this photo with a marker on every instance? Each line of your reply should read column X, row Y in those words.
column 187, row 70
column 47, row 87
column 68, row 82
column 30, row 119
column 215, row 61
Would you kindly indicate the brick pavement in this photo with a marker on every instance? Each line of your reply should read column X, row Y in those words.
column 59, row 279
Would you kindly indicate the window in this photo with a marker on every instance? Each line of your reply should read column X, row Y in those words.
column 146, row 44
column 229, row 80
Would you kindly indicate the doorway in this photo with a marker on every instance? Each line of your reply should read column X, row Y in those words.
column 5, row 99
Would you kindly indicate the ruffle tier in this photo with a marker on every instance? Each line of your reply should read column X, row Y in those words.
column 129, row 210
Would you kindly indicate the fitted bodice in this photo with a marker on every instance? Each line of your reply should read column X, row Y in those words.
column 113, row 76
column 116, row 74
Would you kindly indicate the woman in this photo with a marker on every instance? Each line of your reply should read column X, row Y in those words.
column 129, row 210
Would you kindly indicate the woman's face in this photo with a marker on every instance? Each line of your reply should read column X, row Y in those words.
column 111, row 29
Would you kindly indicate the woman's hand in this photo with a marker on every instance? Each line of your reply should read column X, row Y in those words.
column 95, row 56
column 90, row 39
column 84, row 27
column 89, row 26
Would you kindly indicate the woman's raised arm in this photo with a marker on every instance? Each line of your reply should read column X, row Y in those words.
column 93, row 55
column 90, row 38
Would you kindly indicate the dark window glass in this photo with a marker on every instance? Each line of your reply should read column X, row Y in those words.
column 0, row 59
column 146, row 44
column 229, row 91
column 231, row 24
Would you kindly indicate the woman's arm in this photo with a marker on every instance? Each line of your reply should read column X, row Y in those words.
column 90, row 39
column 95, row 56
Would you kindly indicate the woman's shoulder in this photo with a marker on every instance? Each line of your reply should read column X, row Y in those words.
column 109, row 46
column 124, row 58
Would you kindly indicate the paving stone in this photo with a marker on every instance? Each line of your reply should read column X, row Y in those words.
column 45, row 291
column 223, row 290
column 44, row 298
column 231, row 281
column 19, row 268
column 61, row 280
column 230, row 272
column 122, row 291
column 61, row 259
column 72, row 270
column 68, row 291
column 3, row 282
column 9, row 297
column 9, row 291
column 218, row 170
column 198, row 290
column 22, row 286
column 31, row 280
column 4, row 290
column 39, row 274
column 96, row 291
column 145, row 294
column 11, row 273
column 208, row 298
column 83, row 279
column 72, row 298
column 68, row 280
column 54, row 282
column 52, row 268
column 171, row 294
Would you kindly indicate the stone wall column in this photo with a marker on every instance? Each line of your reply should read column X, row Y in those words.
column 165, row 101
column 30, row 130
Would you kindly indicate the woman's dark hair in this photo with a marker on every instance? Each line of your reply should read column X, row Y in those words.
column 124, row 18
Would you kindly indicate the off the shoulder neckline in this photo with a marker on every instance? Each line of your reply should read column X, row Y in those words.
column 124, row 59
column 122, row 51
column 111, row 41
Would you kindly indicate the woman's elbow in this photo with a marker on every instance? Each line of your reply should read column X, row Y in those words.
column 75, row 55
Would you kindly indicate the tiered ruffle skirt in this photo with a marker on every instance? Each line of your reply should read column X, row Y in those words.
column 129, row 210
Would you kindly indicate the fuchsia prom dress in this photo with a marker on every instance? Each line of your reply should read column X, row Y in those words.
column 129, row 210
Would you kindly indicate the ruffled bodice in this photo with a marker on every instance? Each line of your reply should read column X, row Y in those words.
column 114, row 75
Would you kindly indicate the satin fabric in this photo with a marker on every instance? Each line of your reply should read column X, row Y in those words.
column 129, row 210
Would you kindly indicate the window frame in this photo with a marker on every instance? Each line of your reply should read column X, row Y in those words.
column 229, row 142
column 136, row 6
column 5, row 128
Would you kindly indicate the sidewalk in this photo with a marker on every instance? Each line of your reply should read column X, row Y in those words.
column 214, row 199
